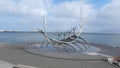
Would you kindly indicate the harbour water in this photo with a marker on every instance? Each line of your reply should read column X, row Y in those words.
column 21, row 37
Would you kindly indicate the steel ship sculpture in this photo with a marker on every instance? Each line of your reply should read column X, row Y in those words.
column 68, row 41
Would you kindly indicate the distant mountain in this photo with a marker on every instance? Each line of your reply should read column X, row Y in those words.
column 6, row 31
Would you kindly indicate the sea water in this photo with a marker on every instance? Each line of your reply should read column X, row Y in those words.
column 21, row 37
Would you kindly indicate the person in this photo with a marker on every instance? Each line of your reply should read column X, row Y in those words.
column 116, row 61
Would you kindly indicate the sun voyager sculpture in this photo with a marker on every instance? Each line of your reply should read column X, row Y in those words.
column 65, row 45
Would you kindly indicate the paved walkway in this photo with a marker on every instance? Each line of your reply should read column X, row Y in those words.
column 4, row 64
column 17, row 55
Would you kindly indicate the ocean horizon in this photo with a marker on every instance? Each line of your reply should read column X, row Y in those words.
column 108, row 39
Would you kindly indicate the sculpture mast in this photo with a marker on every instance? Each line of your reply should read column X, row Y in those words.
column 44, row 22
column 81, row 17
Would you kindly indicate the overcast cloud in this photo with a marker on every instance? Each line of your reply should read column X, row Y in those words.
column 25, row 14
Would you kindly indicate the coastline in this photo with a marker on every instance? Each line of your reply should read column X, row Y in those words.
column 15, row 54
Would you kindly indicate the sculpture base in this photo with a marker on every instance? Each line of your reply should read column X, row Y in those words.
column 60, row 52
